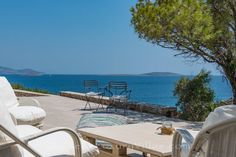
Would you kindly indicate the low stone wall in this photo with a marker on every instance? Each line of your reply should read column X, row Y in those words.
column 23, row 93
column 140, row 107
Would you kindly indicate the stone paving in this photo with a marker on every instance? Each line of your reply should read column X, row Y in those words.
column 66, row 112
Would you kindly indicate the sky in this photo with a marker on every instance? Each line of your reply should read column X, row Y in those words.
column 81, row 37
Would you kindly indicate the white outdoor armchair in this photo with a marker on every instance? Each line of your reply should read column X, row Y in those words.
column 29, row 102
column 30, row 115
column 216, row 139
column 29, row 141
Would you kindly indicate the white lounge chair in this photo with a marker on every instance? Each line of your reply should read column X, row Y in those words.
column 29, row 141
column 30, row 115
column 216, row 139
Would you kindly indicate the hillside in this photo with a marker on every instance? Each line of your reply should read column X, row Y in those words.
column 10, row 71
column 162, row 74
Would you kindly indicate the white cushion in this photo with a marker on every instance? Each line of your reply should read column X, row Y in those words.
column 121, row 98
column 29, row 115
column 92, row 94
column 26, row 130
column 220, row 114
column 7, row 123
column 7, row 94
column 56, row 144
column 88, row 150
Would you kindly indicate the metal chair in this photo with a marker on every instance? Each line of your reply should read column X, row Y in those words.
column 118, row 94
column 92, row 89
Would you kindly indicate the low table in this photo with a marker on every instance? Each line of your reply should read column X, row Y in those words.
column 142, row 137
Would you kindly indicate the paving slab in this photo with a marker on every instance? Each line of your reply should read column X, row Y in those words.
column 66, row 112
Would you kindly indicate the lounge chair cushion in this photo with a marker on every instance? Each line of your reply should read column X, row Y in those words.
column 7, row 95
column 55, row 144
column 220, row 114
column 6, row 122
column 29, row 115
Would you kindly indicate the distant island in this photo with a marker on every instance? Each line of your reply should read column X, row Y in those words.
column 162, row 74
column 31, row 72
column 10, row 71
column 149, row 74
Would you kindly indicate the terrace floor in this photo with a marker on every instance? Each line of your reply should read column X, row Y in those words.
column 66, row 112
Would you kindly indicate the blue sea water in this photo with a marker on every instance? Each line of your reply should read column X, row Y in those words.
column 148, row 89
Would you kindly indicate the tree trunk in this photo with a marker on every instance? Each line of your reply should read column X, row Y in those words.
column 233, row 86
column 232, row 81
column 231, row 76
column 234, row 96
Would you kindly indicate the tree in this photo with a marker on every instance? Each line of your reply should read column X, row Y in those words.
column 195, row 28
column 195, row 98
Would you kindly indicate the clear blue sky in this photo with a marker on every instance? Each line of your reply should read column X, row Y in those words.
column 80, row 37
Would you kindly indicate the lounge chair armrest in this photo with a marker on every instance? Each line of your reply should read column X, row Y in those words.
column 29, row 102
column 177, row 141
column 16, row 140
column 74, row 136
column 7, row 144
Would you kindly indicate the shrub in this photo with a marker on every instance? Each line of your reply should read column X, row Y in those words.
column 195, row 98
column 21, row 87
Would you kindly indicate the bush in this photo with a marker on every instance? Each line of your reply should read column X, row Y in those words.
column 195, row 98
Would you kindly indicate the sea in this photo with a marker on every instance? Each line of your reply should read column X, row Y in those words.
column 153, row 90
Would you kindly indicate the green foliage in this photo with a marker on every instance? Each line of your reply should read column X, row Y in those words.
column 173, row 23
column 21, row 87
column 195, row 98
column 197, row 29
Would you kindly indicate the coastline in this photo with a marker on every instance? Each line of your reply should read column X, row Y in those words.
column 147, row 89
column 168, row 111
